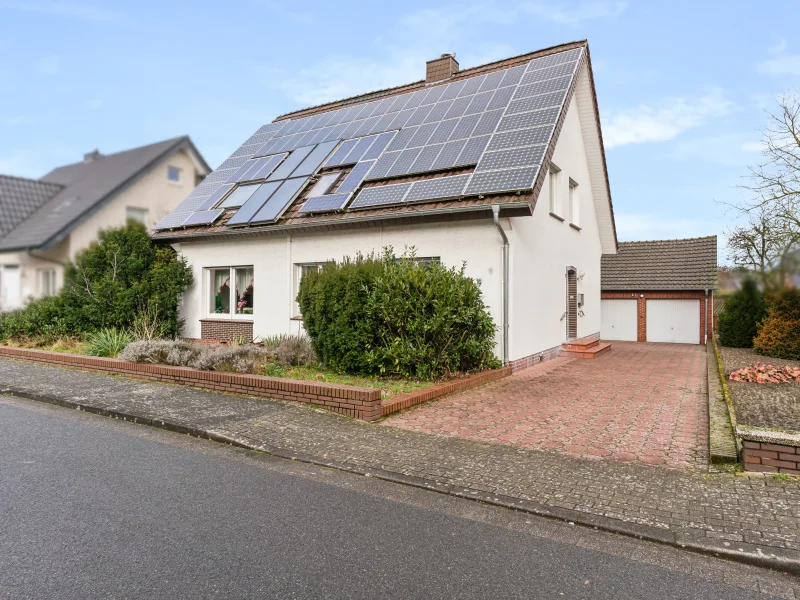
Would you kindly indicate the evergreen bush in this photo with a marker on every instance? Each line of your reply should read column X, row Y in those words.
column 389, row 316
column 779, row 333
column 738, row 322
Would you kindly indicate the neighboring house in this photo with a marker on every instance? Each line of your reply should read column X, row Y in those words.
column 500, row 166
column 660, row 291
column 45, row 222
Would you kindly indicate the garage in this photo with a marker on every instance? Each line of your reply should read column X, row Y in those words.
column 618, row 319
column 659, row 291
column 675, row 321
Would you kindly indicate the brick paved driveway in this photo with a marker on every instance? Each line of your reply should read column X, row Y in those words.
column 638, row 402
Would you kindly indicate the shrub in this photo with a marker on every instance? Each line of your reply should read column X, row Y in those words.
column 393, row 316
column 779, row 333
column 43, row 318
column 107, row 342
column 147, row 324
column 237, row 359
column 295, row 351
column 738, row 322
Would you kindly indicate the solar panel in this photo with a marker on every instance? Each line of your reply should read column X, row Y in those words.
column 355, row 177
column 291, row 163
column 278, row 201
column 202, row 217
column 508, row 159
column 325, row 203
column 379, row 145
column 502, row 181
column 173, row 219
column 338, row 157
column 381, row 196
column 324, row 184
column 437, row 188
column 314, row 159
column 520, row 137
column 252, row 205
column 448, row 157
column 492, row 120
column 239, row 196
column 215, row 197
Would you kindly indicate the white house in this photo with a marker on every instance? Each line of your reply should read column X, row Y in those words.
column 500, row 166
column 45, row 222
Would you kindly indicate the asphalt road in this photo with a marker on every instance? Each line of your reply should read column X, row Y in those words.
column 95, row 508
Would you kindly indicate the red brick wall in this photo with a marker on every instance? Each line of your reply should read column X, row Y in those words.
column 360, row 403
column 226, row 329
column 643, row 296
column 771, row 458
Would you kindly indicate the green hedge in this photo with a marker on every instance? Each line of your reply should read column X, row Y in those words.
column 738, row 322
column 389, row 316
column 120, row 275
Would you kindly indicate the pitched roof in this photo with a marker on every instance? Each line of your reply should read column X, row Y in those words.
column 436, row 122
column 19, row 197
column 685, row 264
column 82, row 188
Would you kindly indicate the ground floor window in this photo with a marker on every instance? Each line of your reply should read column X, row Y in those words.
column 301, row 269
column 47, row 282
column 231, row 291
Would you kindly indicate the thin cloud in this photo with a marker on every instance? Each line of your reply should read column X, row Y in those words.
column 732, row 148
column 645, row 123
column 782, row 65
column 575, row 15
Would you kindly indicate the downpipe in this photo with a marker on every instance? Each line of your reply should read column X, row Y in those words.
column 496, row 215
column 705, row 321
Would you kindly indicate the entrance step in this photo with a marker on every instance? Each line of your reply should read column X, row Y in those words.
column 585, row 348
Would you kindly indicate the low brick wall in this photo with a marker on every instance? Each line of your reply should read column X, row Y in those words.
column 771, row 458
column 360, row 403
column 403, row 401
column 226, row 329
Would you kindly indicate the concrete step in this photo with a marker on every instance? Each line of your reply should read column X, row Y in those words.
column 580, row 344
column 588, row 352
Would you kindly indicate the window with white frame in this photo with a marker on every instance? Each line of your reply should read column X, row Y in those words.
column 137, row 214
column 173, row 174
column 555, row 185
column 47, row 282
column 230, row 292
column 574, row 204
column 301, row 269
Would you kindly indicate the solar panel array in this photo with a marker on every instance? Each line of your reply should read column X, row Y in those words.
column 498, row 122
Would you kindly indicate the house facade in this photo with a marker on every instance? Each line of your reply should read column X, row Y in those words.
column 45, row 222
column 660, row 291
column 529, row 213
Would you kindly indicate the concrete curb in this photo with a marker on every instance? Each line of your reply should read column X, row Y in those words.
column 788, row 560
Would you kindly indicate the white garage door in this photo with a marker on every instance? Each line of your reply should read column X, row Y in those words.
column 676, row 321
column 618, row 320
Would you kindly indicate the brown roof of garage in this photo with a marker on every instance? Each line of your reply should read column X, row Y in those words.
column 687, row 264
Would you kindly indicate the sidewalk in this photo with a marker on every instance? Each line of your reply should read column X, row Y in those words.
column 748, row 518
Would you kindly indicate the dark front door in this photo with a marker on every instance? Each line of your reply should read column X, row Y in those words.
column 572, row 304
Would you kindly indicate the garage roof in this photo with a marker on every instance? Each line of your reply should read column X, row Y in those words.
column 686, row 264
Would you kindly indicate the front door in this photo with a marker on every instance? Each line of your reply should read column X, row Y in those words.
column 572, row 304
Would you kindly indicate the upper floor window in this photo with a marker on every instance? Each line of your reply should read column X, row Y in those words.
column 47, row 282
column 173, row 174
column 137, row 214
column 574, row 204
column 555, row 185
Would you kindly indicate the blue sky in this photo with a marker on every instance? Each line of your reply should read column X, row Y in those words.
column 682, row 86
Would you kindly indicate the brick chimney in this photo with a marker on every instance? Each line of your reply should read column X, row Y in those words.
column 441, row 68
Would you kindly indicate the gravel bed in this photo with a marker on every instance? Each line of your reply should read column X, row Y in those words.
column 775, row 406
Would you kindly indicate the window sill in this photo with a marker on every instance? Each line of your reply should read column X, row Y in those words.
column 555, row 216
column 227, row 319
column 296, row 318
column 576, row 227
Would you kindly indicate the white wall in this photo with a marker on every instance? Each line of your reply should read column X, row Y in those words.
column 274, row 259
column 541, row 249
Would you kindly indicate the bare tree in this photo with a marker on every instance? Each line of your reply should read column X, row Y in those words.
column 772, row 233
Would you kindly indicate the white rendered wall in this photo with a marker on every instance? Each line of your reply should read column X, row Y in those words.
column 274, row 260
column 541, row 249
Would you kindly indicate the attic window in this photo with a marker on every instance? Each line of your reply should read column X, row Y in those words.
column 173, row 174
column 324, row 185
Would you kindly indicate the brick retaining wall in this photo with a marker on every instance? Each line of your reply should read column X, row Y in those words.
column 771, row 458
column 360, row 403
column 226, row 329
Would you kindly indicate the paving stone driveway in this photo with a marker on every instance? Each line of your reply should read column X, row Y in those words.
column 638, row 402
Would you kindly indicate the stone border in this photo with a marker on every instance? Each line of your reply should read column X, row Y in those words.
column 359, row 403
column 403, row 401
column 722, row 442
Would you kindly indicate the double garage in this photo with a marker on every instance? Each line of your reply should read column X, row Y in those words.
column 659, row 291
